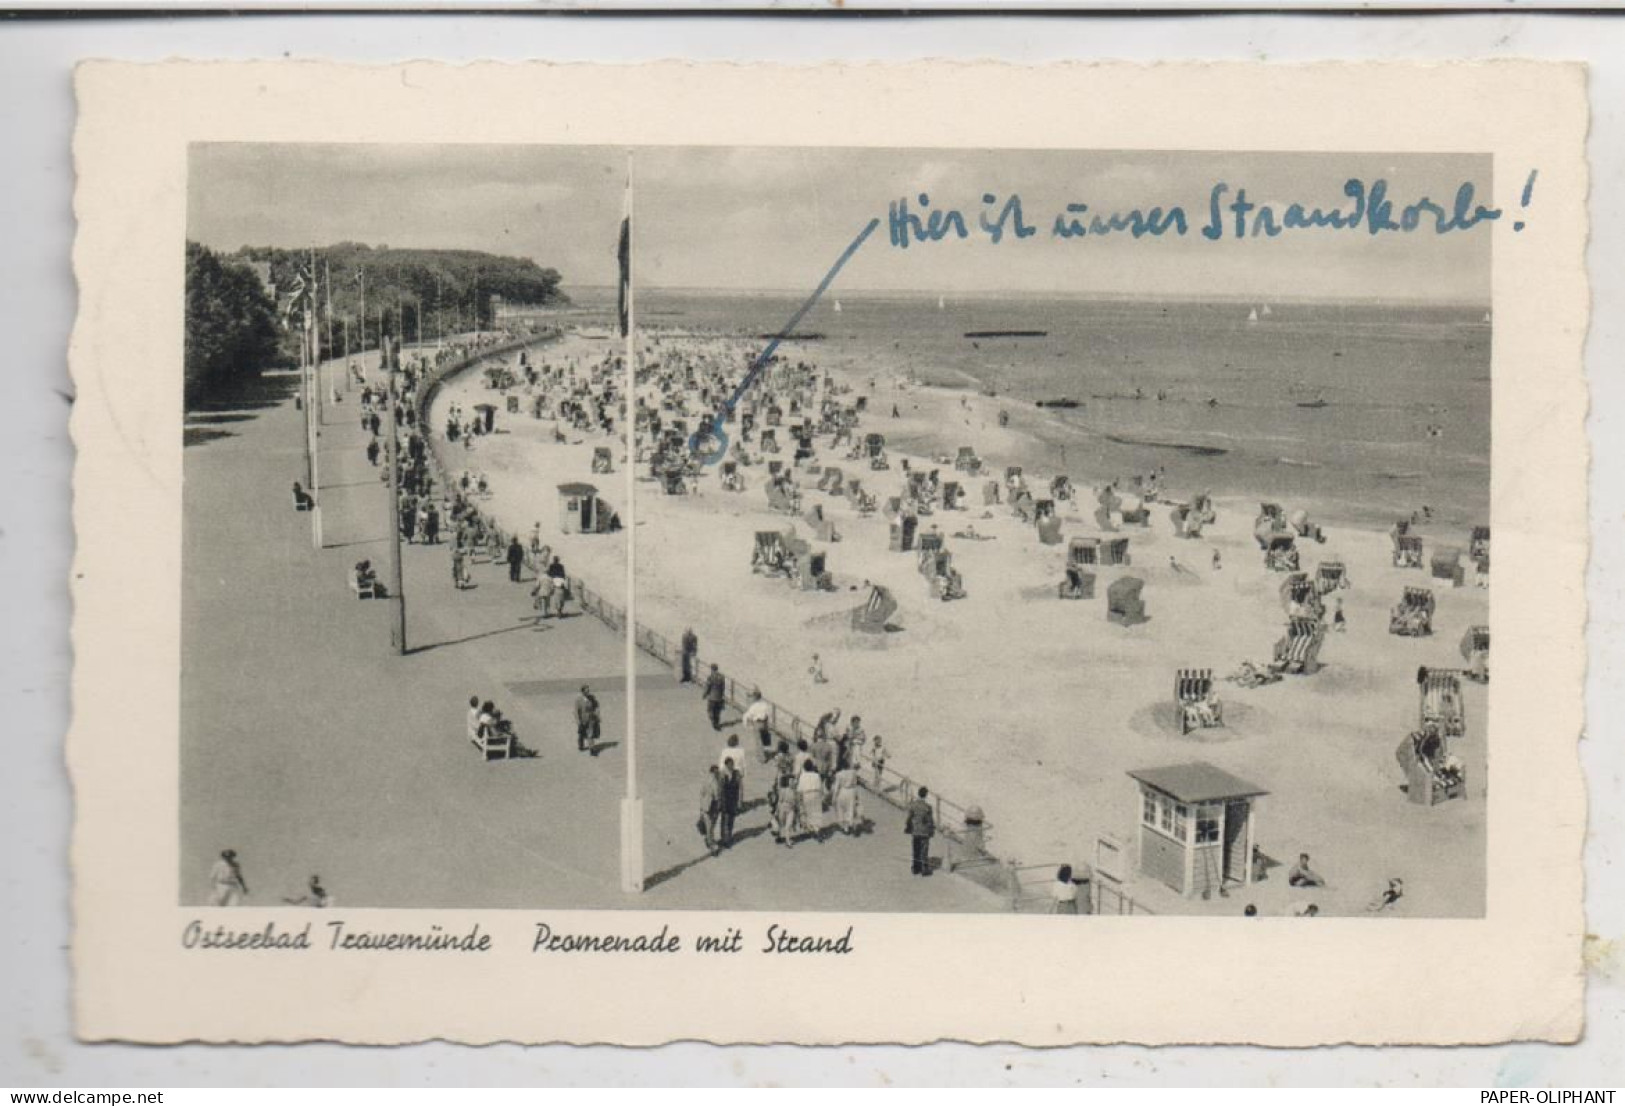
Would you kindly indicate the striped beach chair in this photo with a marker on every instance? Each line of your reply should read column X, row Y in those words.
column 1441, row 701
column 1298, row 652
column 1196, row 701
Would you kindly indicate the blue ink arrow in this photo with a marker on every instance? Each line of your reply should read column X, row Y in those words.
column 710, row 442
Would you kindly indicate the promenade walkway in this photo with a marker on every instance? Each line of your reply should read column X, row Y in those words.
column 310, row 747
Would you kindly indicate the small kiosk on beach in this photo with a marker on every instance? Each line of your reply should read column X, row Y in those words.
column 579, row 509
column 1196, row 830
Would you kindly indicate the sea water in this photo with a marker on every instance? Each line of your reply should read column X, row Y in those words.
column 1366, row 411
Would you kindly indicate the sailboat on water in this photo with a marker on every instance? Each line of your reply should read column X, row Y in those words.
column 942, row 303
column 837, row 307
column 1252, row 316
column 1265, row 311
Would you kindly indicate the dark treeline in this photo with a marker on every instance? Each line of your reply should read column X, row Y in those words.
column 231, row 322
column 412, row 293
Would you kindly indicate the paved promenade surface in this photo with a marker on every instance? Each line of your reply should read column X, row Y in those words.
column 310, row 747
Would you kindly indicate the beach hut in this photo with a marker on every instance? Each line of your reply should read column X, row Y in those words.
column 871, row 616
column 580, row 510
column 601, row 462
column 1124, row 605
column 1197, row 827
column 1445, row 564
column 513, row 405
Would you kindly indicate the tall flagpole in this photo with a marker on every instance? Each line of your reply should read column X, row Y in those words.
column 327, row 278
column 315, row 425
column 632, row 804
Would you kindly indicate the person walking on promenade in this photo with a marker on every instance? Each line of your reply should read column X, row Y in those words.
column 431, row 525
column 459, row 567
column 758, row 718
column 474, row 718
column 716, row 695
column 846, row 800
column 541, row 598
column 690, row 650
column 733, row 786
column 227, row 879
column 710, row 808
column 782, row 800
column 921, row 825
column 810, row 801
column 877, row 761
column 516, row 559
column 588, row 724
column 826, row 758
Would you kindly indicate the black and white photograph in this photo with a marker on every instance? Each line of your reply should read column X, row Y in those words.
column 902, row 530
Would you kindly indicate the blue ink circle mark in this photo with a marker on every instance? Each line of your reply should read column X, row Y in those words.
column 709, row 443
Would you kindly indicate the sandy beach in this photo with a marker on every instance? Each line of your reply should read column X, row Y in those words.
column 1011, row 699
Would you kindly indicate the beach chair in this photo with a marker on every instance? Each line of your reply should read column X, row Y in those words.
column 1114, row 551
column 990, row 493
column 732, row 481
column 952, row 493
column 929, row 545
column 1196, row 701
column 1298, row 652
column 1445, row 564
column 1413, row 616
column 1202, row 509
column 769, row 442
column 1060, row 489
column 1013, row 478
column 1124, row 604
column 1432, row 774
column 1023, row 506
column 871, row 617
column 945, row 581
column 601, row 462
column 770, row 556
column 903, row 528
column 1281, row 553
column 1330, row 576
column 1475, row 650
column 967, row 461
column 672, row 481
column 1049, row 530
column 1132, row 509
column 1083, row 551
column 513, row 405
column 1299, row 597
column 1478, row 543
column 1079, row 583
column 1441, row 702
column 781, row 497
column 1187, row 523
column 831, row 481
column 1407, row 550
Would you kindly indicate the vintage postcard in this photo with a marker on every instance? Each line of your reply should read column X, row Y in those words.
column 911, row 552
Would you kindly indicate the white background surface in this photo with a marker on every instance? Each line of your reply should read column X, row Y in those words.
column 36, row 310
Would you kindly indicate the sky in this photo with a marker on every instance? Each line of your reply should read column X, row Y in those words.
column 778, row 218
